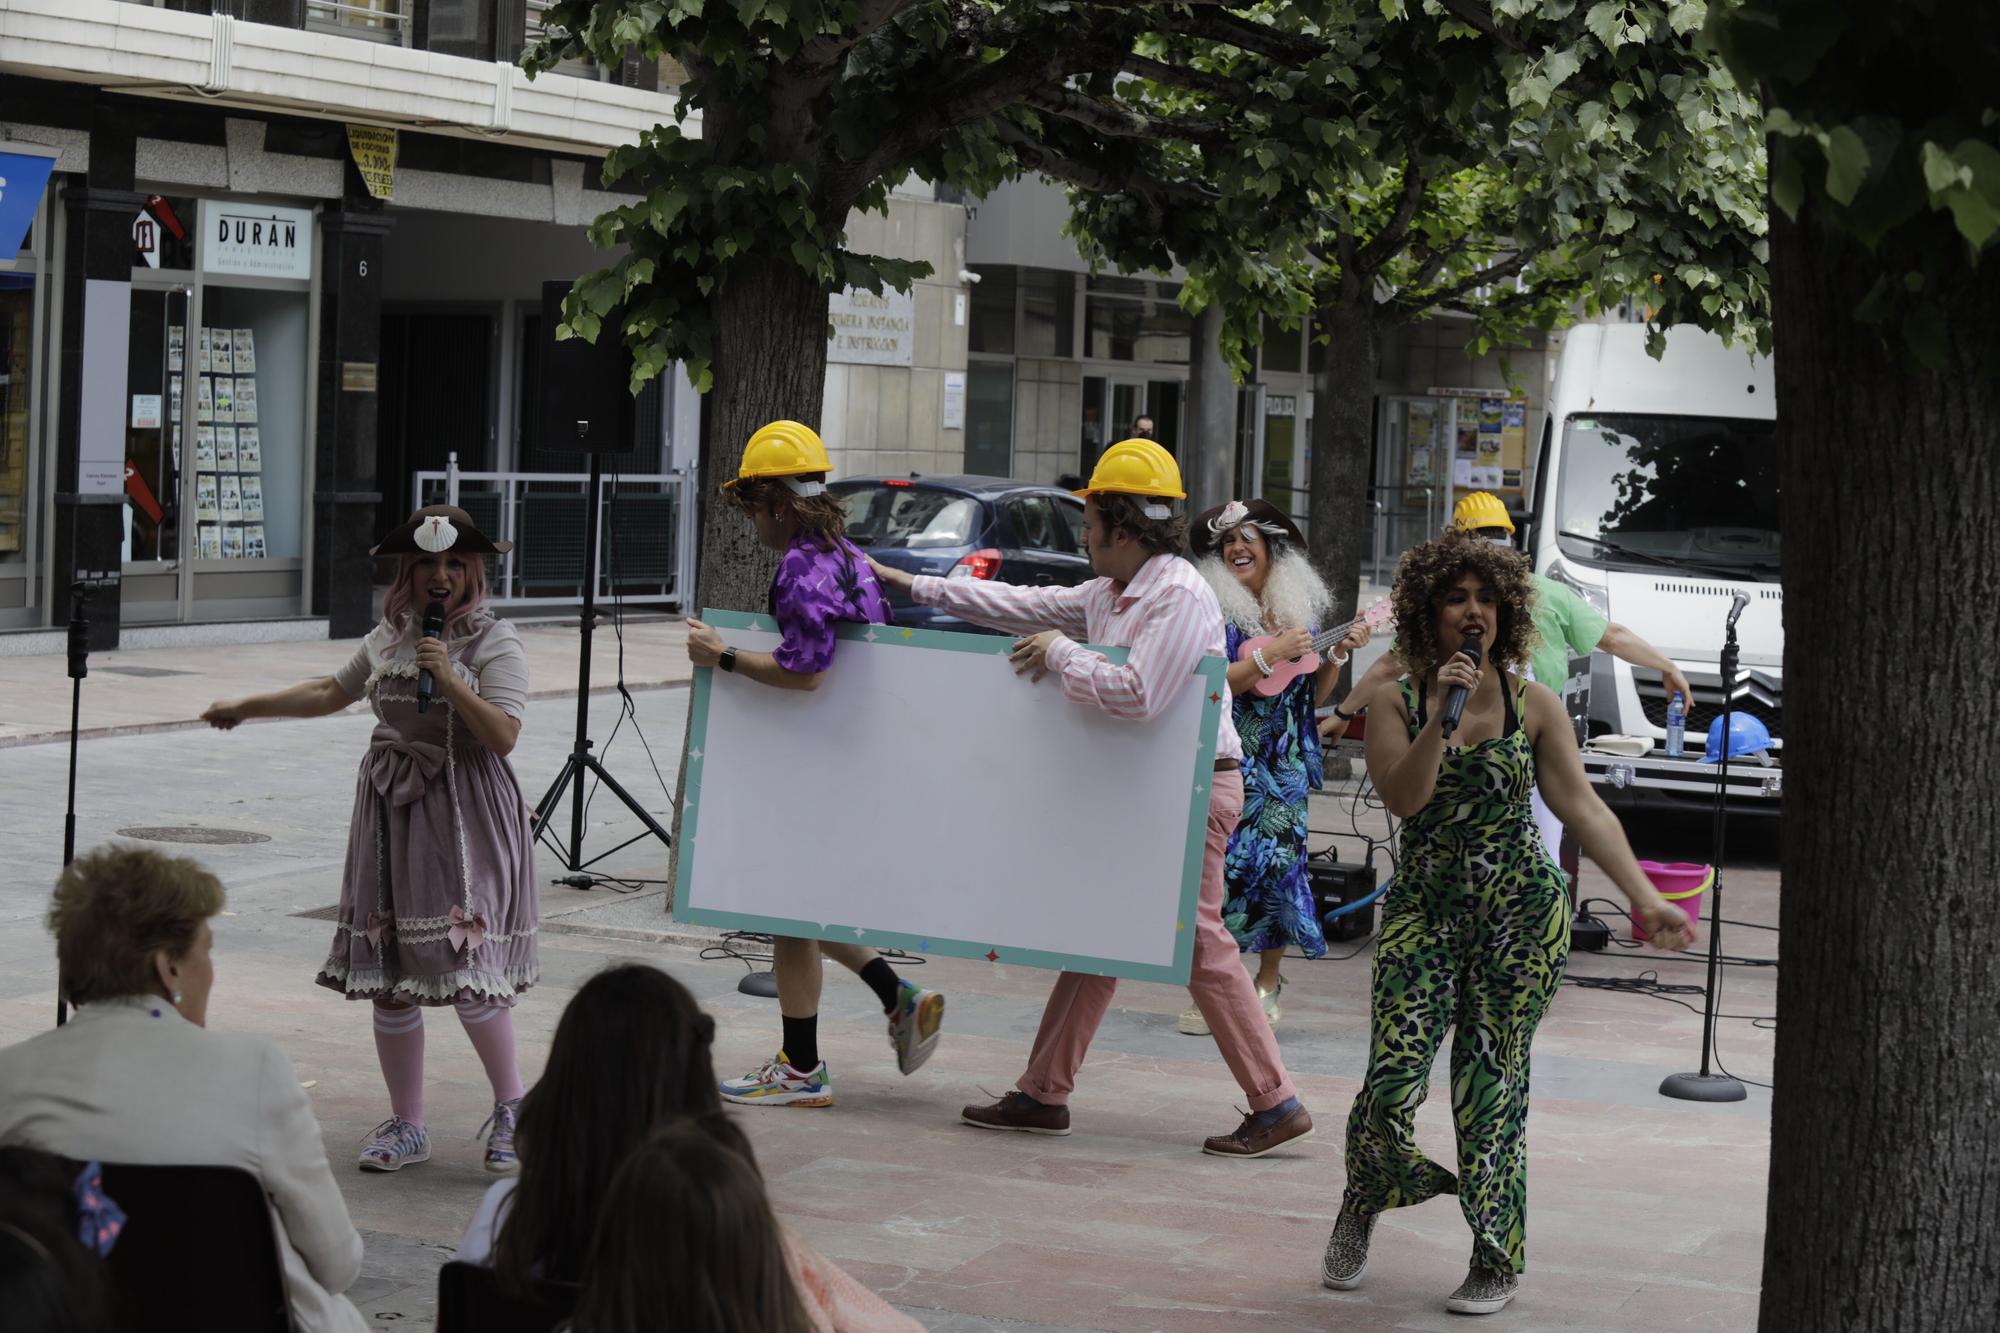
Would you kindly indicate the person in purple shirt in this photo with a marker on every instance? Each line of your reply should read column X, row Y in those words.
column 821, row 580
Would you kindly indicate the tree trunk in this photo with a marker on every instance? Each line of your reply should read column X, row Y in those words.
column 770, row 365
column 1885, row 1156
column 1343, row 444
column 1208, row 458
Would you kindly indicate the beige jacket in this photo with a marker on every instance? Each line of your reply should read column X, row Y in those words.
column 132, row 1081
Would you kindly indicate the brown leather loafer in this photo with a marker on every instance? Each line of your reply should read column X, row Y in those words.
column 1019, row 1111
column 1250, row 1141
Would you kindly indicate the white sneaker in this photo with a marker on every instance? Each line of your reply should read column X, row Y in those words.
column 1269, row 999
column 395, row 1144
column 913, row 1028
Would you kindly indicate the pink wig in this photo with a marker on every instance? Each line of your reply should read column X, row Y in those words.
column 405, row 602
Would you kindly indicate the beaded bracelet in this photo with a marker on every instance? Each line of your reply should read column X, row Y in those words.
column 1257, row 656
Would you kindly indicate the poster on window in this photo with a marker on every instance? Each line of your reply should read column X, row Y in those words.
column 174, row 399
column 232, row 498
column 202, row 360
column 204, row 403
column 249, row 450
column 224, row 395
column 253, row 496
column 204, row 448
column 246, row 398
column 209, row 542
column 245, row 352
column 176, row 347
column 253, row 541
column 232, row 541
column 225, row 449
column 206, row 505
column 221, row 360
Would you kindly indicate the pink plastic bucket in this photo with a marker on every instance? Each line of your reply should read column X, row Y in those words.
column 1681, row 883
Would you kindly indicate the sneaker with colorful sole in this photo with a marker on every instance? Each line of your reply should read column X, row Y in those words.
column 395, row 1144
column 778, row 1084
column 914, row 1027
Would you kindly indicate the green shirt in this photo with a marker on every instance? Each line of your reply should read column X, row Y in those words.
column 1564, row 624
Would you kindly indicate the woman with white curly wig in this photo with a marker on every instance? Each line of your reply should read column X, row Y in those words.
column 438, row 901
column 1254, row 556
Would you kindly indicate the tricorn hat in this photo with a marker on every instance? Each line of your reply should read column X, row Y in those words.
column 1210, row 526
column 437, row 528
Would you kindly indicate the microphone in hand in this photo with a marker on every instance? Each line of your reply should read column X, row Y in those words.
column 426, row 682
column 1454, row 699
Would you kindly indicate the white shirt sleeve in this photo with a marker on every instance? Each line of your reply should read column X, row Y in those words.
column 476, row 1246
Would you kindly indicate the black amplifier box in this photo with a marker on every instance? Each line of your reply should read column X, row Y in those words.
column 1337, row 883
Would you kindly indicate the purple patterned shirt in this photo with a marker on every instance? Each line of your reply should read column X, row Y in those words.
column 815, row 590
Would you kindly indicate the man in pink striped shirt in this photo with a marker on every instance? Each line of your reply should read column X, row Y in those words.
column 1149, row 599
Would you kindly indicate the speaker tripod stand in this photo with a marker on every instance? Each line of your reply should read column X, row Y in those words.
column 581, row 763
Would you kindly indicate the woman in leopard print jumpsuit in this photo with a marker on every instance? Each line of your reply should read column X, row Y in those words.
column 1475, row 927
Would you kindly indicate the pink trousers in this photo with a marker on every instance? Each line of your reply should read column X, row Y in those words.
column 1221, row 987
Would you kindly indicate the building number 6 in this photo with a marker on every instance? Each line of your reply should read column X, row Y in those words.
column 361, row 269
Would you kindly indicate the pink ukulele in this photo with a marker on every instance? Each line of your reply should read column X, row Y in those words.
column 1376, row 617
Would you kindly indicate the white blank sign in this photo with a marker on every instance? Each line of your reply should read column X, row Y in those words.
column 926, row 798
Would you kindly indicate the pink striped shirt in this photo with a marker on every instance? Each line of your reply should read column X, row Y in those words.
column 1167, row 615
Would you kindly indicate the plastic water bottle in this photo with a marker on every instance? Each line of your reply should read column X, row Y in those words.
column 1676, row 726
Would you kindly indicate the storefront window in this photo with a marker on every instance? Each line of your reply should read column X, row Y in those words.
column 17, row 323
column 1121, row 329
column 992, row 328
column 250, row 431
column 1048, row 313
column 156, row 378
column 1280, row 350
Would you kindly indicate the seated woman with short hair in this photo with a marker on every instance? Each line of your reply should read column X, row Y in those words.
column 135, row 1077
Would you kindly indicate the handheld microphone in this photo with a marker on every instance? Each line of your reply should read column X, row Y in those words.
column 1454, row 699
column 433, row 629
column 1736, row 607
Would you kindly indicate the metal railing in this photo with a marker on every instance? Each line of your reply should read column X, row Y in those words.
column 370, row 20
column 645, row 545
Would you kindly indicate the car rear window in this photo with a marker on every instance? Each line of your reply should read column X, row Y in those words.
column 908, row 517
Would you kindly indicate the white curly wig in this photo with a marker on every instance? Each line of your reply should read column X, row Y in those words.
column 1295, row 596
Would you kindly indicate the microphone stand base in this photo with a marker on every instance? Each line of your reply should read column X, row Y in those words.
column 1703, row 1088
column 758, row 983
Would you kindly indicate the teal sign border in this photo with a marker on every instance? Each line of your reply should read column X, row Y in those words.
column 687, row 896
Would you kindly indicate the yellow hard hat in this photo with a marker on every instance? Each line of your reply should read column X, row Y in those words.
column 781, row 449
column 1136, row 467
column 1480, row 509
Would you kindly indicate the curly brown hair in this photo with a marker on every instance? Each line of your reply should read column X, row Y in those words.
column 1427, row 571
column 822, row 518
column 1161, row 536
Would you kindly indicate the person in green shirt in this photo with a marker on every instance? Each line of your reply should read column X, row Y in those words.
column 1565, row 624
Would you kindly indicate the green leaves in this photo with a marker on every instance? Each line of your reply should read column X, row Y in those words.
column 1966, row 180
column 1846, row 163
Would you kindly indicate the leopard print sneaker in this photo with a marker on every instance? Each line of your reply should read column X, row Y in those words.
column 1347, row 1250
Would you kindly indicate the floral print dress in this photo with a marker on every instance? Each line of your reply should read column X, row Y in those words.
column 1269, row 901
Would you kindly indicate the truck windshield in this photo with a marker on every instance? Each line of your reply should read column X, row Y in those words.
column 1651, row 490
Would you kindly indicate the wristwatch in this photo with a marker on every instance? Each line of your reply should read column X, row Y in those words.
column 728, row 659
column 1347, row 717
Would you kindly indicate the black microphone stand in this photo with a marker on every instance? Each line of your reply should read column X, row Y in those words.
column 79, row 667
column 1704, row 1085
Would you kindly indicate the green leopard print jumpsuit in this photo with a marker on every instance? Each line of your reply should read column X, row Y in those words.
column 1475, row 932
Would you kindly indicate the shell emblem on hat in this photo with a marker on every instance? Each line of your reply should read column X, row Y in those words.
column 1230, row 518
column 436, row 533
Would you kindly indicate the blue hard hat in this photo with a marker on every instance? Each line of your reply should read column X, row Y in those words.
column 1747, row 735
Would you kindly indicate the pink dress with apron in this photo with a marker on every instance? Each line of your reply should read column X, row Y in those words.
column 438, row 901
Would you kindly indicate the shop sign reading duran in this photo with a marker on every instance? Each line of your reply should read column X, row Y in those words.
column 256, row 240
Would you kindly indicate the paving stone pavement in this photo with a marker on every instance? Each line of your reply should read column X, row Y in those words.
column 1645, row 1213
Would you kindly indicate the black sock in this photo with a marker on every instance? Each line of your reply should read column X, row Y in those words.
column 801, row 1042
column 882, row 979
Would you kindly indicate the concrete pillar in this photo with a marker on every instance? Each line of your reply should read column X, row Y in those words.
column 1209, row 459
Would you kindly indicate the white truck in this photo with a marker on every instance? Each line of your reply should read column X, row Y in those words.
column 1655, row 496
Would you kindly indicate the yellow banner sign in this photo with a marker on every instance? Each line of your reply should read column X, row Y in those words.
column 374, row 151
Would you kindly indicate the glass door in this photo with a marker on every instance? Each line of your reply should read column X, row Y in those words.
column 161, row 460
